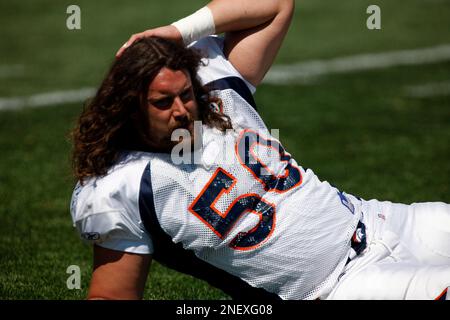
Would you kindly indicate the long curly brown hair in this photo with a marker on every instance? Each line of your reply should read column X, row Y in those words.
column 105, row 128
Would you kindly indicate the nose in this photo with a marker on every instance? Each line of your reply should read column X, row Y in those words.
column 179, row 109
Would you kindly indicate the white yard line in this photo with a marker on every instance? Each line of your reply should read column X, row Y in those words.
column 304, row 72
column 46, row 99
column 279, row 74
column 10, row 71
column 432, row 89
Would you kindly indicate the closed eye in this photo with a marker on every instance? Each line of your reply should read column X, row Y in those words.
column 186, row 95
column 162, row 103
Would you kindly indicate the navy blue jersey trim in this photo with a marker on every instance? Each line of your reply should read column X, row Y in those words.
column 235, row 83
column 174, row 256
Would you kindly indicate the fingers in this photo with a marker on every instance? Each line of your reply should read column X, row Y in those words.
column 122, row 49
column 132, row 39
column 167, row 32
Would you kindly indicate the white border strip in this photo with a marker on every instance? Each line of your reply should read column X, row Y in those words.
column 307, row 71
column 46, row 99
column 10, row 71
column 432, row 89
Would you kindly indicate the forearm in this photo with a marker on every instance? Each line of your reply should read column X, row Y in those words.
column 118, row 275
column 221, row 16
column 234, row 15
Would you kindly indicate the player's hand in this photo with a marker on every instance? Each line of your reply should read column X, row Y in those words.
column 167, row 32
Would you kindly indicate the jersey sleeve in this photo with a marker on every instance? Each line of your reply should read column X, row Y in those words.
column 107, row 219
column 216, row 65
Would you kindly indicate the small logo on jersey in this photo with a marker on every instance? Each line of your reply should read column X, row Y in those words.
column 381, row 216
column 346, row 202
column 358, row 236
column 216, row 106
column 90, row 236
column 358, row 242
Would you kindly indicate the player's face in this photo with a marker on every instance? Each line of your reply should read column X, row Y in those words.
column 170, row 105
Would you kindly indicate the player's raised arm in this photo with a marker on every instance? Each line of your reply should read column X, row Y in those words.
column 254, row 31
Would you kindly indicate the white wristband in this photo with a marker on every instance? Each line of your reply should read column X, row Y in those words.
column 198, row 25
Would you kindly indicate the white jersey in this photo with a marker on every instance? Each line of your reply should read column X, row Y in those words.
column 246, row 208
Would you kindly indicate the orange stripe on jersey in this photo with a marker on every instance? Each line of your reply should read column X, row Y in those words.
column 443, row 295
column 258, row 160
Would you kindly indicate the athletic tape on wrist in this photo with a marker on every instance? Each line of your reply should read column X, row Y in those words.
column 196, row 26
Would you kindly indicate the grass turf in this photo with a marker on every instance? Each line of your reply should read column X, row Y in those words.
column 359, row 131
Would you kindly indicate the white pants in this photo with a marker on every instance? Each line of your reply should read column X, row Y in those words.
column 408, row 254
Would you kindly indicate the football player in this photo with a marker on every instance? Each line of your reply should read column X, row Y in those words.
column 239, row 211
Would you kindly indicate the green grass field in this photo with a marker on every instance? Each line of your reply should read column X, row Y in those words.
column 361, row 131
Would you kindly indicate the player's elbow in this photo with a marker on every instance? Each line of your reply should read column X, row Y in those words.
column 285, row 13
column 287, row 6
